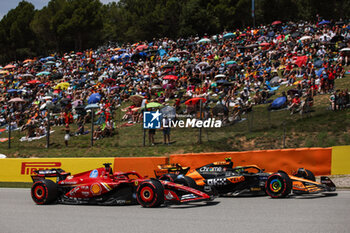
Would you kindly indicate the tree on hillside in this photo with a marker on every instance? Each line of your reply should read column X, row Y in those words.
column 17, row 41
column 66, row 25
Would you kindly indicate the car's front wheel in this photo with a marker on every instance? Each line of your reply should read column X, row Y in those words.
column 150, row 193
column 278, row 185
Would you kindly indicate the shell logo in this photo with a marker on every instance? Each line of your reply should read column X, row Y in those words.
column 95, row 189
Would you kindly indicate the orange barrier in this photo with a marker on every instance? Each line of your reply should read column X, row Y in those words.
column 318, row 160
column 143, row 165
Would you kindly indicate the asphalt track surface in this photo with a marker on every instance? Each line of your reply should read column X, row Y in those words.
column 18, row 214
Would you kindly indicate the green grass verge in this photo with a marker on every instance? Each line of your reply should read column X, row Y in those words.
column 15, row 185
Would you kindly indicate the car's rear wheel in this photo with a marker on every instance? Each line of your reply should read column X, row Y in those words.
column 44, row 192
column 278, row 185
column 168, row 177
column 150, row 193
column 306, row 174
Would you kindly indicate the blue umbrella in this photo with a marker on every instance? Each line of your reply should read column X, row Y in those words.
column 12, row 91
column 43, row 73
column 271, row 88
column 124, row 55
column 229, row 35
column 174, row 59
column 319, row 72
column 50, row 58
column 115, row 57
column 230, row 62
column 324, row 22
column 277, row 103
column 94, row 98
column 161, row 52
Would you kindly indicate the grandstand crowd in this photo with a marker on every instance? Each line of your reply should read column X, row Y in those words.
column 228, row 73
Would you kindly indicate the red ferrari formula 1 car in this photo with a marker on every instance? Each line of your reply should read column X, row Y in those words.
column 102, row 186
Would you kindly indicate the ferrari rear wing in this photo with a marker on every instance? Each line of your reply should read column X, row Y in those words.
column 42, row 174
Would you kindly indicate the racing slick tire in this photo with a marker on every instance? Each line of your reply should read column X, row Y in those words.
column 306, row 174
column 150, row 193
column 186, row 181
column 44, row 192
column 278, row 185
column 168, row 177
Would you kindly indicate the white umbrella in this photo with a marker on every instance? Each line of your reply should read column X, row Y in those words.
column 43, row 106
column 47, row 98
column 203, row 63
column 26, row 75
column 220, row 76
column 344, row 49
column 16, row 100
column 305, row 38
column 204, row 40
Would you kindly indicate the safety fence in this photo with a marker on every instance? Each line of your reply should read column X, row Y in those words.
column 307, row 130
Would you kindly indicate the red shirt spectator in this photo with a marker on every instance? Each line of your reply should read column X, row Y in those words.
column 296, row 100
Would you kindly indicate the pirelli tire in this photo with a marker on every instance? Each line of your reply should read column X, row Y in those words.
column 186, row 181
column 305, row 174
column 150, row 193
column 44, row 192
column 168, row 177
column 278, row 185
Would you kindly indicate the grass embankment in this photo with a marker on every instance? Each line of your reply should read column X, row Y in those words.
column 15, row 185
column 260, row 130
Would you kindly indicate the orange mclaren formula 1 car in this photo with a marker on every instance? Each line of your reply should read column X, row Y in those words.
column 245, row 180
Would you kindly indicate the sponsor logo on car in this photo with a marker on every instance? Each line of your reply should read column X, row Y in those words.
column 94, row 174
column 96, row 189
column 85, row 193
column 216, row 182
column 210, row 169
